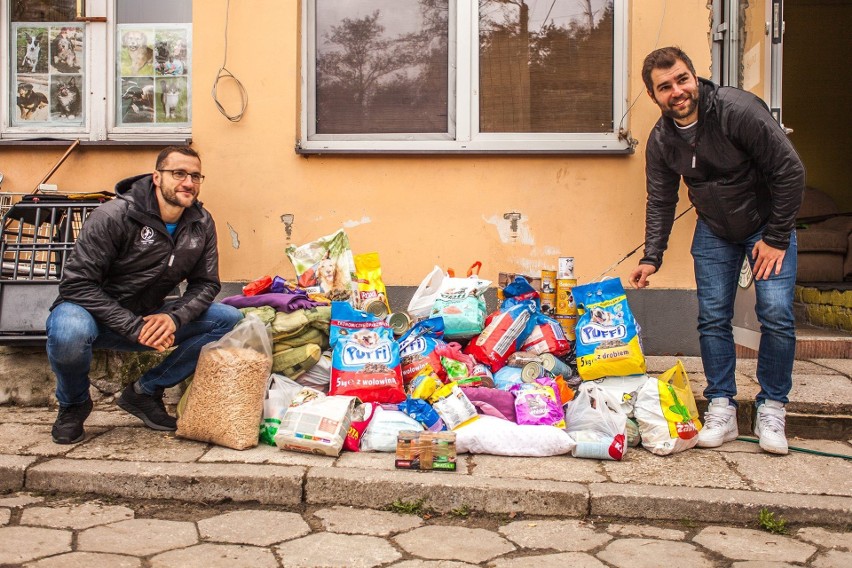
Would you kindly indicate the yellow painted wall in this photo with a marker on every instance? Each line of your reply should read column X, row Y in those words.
column 416, row 211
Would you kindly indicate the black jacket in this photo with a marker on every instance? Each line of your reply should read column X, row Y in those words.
column 742, row 172
column 124, row 262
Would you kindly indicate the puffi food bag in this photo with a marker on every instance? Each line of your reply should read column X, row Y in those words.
column 607, row 335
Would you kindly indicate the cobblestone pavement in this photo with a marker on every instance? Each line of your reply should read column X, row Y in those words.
column 43, row 530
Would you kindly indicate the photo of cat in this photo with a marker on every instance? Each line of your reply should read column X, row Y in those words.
column 171, row 99
column 66, row 97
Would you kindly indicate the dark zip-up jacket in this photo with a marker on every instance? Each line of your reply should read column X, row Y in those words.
column 742, row 172
column 125, row 263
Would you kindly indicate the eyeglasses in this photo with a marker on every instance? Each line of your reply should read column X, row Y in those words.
column 180, row 175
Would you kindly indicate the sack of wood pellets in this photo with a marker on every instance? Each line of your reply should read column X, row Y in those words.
column 225, row 403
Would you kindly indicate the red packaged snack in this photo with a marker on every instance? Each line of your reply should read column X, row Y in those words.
column 259, row 286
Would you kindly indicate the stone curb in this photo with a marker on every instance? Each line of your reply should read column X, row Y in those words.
column 711, row 505
column 441, row 492
column 269, row 484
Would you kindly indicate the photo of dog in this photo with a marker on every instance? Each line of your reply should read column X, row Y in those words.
column 32, row 50
column 137, row 100
column 137, row 56
column 65, row 98
column 31, row 101
column 170, row 56
column 66, row 49
column 366, row 338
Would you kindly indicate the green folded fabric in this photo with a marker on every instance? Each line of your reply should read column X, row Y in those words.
column 288, row 325
column 266, row 314
column 296, row 360
column 310, row 335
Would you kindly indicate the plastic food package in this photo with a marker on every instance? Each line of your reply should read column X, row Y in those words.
column 360, row 419
column 503, row 336
column 506, row 377
column 666, row 412
column 423, row 412
column 372, row 294
column 596, row 423
column 536, row 403
column 280, row 392
column 453, row 406
column 607, row 337
column 490, row 435
column 381, row 434
column 546, row 336
column 462, row 305
column 324, row 265
column 317, row 427
column 365, row 356
column 417, row 348
column 225, row 404
column 259, row 286
column 623, row 390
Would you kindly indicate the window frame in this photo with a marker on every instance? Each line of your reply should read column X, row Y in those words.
column 463, row 88
column 100, row 101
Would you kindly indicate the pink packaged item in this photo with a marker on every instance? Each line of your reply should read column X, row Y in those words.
column 536, row 403
column 501, row 401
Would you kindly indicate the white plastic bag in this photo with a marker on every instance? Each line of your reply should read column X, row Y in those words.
column 424, row 297
column 596, row 422
column 280, row 391
column 492, row 435
column 381, row 434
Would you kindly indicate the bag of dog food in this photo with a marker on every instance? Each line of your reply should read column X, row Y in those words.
column 372, row 294
column 503, row 336
column 359, row 420
column 417, row 348
column 607, row 338
column 365, row 357
column 462, row 305
column 546, row 336
column 325, row 265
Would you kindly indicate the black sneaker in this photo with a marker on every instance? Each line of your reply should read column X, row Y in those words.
column 68, row 428
column 148, row 408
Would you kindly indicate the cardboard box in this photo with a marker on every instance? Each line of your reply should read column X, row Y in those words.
column 316, row 427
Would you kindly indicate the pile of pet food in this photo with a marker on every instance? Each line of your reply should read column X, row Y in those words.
column 458, row 379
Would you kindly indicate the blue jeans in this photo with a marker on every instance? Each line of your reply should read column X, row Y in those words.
column 72, row 334
column 717, row 269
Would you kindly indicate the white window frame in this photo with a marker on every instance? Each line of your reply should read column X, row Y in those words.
column 99, row 85
column 464, row 106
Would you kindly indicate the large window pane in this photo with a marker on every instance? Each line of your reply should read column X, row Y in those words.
column 382, row 66
column 546, row 65
column 153, row 63
column 48, row 64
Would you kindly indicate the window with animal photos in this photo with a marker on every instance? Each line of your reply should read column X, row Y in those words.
column 464, row 75
column 59, row 87
column 49, row 68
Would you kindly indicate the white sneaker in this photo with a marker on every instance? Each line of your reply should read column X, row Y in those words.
column 769, row 427
column 720, row 424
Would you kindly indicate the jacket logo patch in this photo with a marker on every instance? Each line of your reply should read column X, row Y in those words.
column 147, row 234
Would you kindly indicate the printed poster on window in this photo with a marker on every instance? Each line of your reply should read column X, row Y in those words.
column 153, row 74
column 48, row 72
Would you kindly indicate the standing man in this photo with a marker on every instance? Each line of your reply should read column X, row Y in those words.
column 131, row 252
column 746, row 183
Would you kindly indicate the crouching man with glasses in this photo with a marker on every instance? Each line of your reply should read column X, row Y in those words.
column 130, row 254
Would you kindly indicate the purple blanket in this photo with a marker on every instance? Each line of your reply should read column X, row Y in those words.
column 281, row 302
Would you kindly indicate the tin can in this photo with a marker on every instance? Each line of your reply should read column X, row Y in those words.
column 399, row 323
column 555, row 366
column 548, row 303
column 569, row 326
column 531, row 371
column 565, row 304
column 376, row 307
column 565, row 267
column 548, row 281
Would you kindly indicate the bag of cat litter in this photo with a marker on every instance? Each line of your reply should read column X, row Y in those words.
column 607, row 338
column 365, row 357
column 325, row 266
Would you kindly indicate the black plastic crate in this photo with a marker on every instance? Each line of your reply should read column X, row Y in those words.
column 38, row 233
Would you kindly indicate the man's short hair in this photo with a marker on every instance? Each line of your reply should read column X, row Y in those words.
column 663, row 58
column 169, row 150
